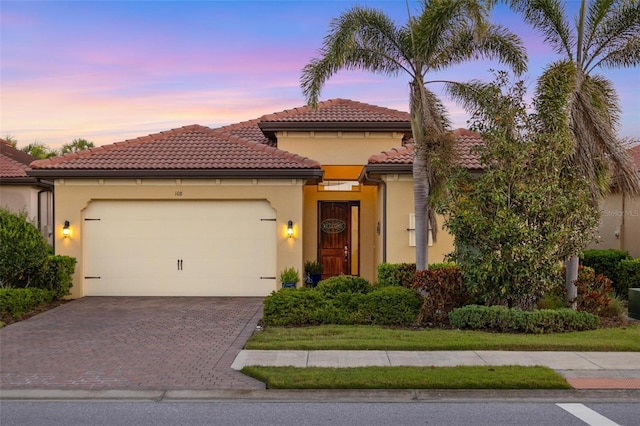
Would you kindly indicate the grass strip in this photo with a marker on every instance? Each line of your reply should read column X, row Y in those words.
column 464, row 377
column 347, row 337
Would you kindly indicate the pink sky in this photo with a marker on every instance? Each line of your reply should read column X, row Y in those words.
column 108, row 71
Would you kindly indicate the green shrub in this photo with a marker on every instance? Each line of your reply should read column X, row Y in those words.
column 594, row 291
column 628, row 277
column 16, row 302
column 23, row 251
column 344, row 284
column 392, row 305
column 443, row 290
column 605, row 262
column 615, row 309
column 551, row 301
column 503, row 319
column 434, row 266
column 396, row 274
column 57, row 275
column 335, row 303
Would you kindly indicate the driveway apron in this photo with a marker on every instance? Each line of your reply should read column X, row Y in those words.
column 155, row 343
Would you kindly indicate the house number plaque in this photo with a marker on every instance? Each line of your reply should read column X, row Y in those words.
column 333, row 226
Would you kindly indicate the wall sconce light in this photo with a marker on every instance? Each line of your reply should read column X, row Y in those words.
column 65, row 229
column 290, row 229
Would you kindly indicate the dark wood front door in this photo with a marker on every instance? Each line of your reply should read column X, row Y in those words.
column 334, row 239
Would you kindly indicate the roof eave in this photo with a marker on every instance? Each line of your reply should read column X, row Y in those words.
column 376, row 170
column 26, row 181
column 269, row 128
column 312, row 174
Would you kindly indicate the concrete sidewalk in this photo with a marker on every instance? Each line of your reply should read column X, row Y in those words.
column 583, row 370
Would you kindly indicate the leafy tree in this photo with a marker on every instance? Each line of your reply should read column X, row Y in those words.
column 39, row 150
column 606, row 35
column 517, row 221
column 445, row 33
column 77, row 145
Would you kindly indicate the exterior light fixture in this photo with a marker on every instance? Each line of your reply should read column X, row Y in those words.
column 65, row 229
column 290, row 229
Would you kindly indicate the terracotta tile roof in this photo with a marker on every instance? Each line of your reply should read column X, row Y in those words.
column 465, row 140
column 338, row 110
column 13, row 162
column 248, row 130
column 188, row 148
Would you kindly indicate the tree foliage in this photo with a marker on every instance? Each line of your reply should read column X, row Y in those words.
column 76, row 145
column 39, row 150
column 515, row 223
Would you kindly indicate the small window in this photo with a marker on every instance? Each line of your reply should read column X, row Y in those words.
column 412, row 232
column 339, row 185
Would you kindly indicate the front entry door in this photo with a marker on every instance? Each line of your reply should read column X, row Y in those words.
column 338, row 238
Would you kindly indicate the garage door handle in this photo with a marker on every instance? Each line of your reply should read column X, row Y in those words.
column 179, row 264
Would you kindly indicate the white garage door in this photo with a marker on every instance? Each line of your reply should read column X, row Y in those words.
column 179, row 248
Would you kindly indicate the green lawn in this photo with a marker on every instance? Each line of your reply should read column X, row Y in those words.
column 371, row 337
column 469, row 377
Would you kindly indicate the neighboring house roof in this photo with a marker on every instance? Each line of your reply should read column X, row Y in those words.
column 188, row 151
column 13, row 165
column 401, row 158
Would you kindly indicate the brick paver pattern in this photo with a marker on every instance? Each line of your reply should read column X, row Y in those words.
column 153, row 343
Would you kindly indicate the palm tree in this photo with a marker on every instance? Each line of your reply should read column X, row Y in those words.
column 446, row 33
column 606, row 35
column 77, row 145
column 39, row 150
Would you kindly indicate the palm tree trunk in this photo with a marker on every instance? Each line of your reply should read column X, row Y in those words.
column 421, row 203
column 420, row 175
column 571, row 276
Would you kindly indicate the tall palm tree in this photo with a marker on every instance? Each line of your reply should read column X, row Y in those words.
column 606, row 36
column 446, row 33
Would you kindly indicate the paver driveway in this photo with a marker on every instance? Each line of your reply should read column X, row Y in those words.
column 158, row 343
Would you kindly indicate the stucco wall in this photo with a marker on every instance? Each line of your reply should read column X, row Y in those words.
column 619, row 224
column 338, row 148
column 399, row 206
column 74, row 195
column 19, row 198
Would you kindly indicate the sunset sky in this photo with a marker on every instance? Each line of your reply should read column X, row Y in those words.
column 107, row 71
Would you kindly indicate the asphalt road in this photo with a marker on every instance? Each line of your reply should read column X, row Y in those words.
column 243, row 413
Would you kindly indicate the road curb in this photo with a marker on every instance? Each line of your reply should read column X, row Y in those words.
column 324, row 395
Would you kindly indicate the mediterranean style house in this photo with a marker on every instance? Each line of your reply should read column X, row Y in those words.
column 22, row 193
column 197, row 211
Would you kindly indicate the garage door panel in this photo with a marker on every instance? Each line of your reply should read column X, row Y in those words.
column 135, row 247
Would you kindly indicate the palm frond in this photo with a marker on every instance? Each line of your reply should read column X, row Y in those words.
column 612, row 33
column 361, row 38
column 548, row 17
column 497, row 42
column 441, row 20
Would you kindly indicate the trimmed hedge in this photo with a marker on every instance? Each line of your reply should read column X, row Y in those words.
column 16, row 302
column 342, row 300
column 628, row 277
column 605, row 262
column 503, row 319
column 396, row 274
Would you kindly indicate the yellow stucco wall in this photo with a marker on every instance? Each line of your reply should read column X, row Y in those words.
column 338, row 148
column 619, row 224
column 399, row 206
column 74, row 195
